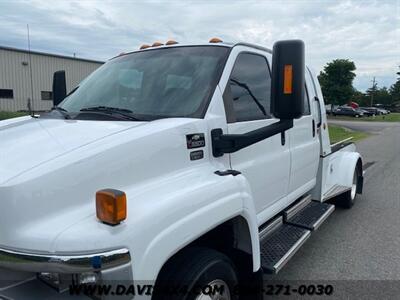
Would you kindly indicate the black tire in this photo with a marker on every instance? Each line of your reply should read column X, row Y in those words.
column 347, row 199
column 196, row 268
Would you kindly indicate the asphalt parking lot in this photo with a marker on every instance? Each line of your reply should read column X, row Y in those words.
column 358, row 250
column 371, row 127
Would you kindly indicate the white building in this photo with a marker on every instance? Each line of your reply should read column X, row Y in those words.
column 15, row 77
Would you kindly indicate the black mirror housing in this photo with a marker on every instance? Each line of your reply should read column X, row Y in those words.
column 59, row 87
column 288, row 83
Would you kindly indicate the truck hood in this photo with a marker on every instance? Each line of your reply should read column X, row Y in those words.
column 28, row 143
column 50, row 170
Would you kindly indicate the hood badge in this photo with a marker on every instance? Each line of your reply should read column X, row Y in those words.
column 195, row 140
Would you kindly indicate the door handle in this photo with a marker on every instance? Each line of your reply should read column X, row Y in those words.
column 319, row 112
column 313, row 128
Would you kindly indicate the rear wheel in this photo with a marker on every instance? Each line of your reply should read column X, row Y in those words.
column 198, row 274
column 347, row 199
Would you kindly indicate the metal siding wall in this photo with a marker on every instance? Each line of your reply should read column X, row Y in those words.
column 14, row 75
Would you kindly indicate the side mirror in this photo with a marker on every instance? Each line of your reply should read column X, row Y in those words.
column 59, row 87
column 287, row 90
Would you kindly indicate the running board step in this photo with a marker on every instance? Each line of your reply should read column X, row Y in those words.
column 308, row 214
column 278, row 243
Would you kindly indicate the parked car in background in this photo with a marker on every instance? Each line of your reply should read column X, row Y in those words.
column 330, row 108
column 372, row 110
column 383, row 111
column 348, row 111
column 385, row 108
column 362, row 112
column 367, row 113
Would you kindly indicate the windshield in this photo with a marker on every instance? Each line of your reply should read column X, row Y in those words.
column 165, row 82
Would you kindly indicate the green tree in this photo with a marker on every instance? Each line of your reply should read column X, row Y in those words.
column 360, row 98
column 395, row 90
column 383, row 96
column 337, row 81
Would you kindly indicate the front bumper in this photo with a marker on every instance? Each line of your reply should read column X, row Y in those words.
column 69, row 264
column 18, row 271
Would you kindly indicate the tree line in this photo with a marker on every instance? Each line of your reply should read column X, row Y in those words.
column 336, row 81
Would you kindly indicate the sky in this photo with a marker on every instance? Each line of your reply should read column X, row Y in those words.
column 366, row 32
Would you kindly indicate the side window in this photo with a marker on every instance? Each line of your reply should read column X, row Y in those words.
column 46, row 95
column 250, row 88
column 6, row 94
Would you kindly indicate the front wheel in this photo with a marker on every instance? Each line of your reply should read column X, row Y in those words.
column 198, row 274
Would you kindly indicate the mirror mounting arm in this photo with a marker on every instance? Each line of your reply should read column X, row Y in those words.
column 229, row 143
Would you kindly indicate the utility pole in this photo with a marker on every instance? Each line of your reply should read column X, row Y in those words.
column 373, row 89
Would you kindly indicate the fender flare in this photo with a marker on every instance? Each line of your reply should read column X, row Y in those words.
column 191, row 228
column 349, row 161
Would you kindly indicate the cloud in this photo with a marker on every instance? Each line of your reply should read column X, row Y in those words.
column 367, row 32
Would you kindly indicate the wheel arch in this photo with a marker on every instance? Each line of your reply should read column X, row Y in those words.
column 235, row 238
column 350, row 161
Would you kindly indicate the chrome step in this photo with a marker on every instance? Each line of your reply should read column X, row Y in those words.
column 309, row 215
column 291, row 211
column 278, row 243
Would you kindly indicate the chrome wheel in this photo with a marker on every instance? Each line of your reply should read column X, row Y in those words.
column 218, row 285
column 354, row 186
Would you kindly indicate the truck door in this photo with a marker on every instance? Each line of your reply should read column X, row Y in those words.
column 265, row 164
column 304, row 147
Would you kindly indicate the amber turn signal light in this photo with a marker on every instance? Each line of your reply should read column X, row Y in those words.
column 287, row 79
column 111, row 206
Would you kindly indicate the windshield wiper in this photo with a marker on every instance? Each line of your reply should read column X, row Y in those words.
column 126, row 113
column 62, row 111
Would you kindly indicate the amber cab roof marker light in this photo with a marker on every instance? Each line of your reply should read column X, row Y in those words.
column 157, row 44
column 215, row 40
column 171, row 42
column 145, row 46
column 111, row 206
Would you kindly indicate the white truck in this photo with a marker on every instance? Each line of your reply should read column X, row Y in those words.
column 175, row 165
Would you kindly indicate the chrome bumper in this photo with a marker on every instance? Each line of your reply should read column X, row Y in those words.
column 18, row 272
column 69, row 264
